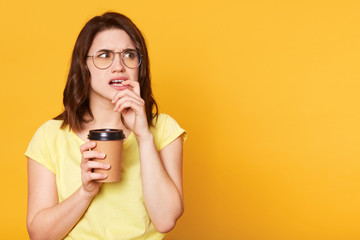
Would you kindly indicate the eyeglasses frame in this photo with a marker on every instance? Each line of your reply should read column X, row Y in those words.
column 121, row 54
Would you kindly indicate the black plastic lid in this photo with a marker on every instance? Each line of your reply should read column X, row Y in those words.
column 106, row 134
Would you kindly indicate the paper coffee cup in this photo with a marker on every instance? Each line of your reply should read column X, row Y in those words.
column 110, row 142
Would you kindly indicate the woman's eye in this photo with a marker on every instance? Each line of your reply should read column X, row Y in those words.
column 130, row 55
column 104, row 55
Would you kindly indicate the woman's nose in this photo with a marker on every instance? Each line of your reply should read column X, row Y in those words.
column 118, row 65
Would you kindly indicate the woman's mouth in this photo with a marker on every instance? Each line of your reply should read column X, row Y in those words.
column 116, row 83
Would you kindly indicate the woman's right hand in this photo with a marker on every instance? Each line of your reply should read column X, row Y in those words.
column 90, row 185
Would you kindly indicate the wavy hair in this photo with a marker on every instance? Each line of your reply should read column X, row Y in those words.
column 77, row 89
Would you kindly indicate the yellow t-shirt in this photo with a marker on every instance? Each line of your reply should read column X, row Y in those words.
column 118, row 211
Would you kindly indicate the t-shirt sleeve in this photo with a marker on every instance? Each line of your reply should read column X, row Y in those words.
column 166, row 131
column 38, row 149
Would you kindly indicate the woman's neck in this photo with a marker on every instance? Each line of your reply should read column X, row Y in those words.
column 103, row 117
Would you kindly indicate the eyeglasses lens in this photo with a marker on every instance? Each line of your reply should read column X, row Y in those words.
column 103, row 59
column 131, row 58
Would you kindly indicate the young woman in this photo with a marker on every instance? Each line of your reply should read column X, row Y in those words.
column 108, row 86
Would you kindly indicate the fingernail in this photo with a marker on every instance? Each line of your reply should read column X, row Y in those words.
column 105, row 175
column 107, row 166
column 102, row 155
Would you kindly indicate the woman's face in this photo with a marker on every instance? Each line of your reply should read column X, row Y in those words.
column 106, row 82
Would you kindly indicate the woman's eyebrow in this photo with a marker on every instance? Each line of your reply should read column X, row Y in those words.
column 127, row 49
column 109, row 50
column 105, row 50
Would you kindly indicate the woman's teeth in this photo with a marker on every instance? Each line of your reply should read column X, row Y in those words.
column 116, row 82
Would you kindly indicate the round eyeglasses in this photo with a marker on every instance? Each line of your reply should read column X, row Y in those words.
column 103, row 59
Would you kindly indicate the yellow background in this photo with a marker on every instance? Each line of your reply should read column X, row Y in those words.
column 268, row 91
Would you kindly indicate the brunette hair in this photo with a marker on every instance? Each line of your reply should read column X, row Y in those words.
column 77, row 89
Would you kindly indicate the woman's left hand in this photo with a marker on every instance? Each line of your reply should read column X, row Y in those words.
column 129, row 103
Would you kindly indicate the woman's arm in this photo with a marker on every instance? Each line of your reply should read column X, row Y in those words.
column 161, row 175
column 48, row 219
